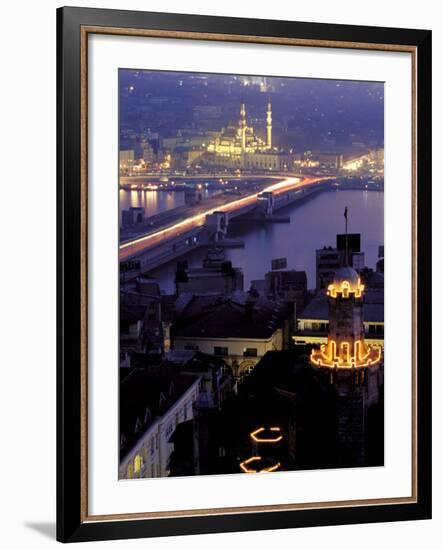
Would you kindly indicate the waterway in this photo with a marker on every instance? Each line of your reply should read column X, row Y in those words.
column 313, row 225
column 155, row 202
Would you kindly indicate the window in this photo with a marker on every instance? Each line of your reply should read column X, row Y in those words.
column 249, row 352
column 138, row 463
column 219, row 350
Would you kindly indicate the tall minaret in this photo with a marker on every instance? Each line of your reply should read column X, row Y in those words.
column 269, row 125
column 243, row 124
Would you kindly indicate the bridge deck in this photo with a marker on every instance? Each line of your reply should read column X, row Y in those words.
column 169, row 239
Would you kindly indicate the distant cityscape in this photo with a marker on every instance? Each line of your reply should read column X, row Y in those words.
column 228, row 363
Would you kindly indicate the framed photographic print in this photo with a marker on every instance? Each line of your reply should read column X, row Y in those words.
column 244, row 274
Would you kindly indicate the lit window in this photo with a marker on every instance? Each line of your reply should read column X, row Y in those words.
column 138, row 463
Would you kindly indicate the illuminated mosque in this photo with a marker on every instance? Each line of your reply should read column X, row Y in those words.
column 237, row 146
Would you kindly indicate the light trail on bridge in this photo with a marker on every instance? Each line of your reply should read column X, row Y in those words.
column 141, row 244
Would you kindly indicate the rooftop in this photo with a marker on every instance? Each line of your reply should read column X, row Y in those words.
column 373, row 307
column 145, row 395
column 193, row 361
column 216, row 317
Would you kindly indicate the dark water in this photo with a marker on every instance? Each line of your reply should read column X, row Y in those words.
column 313, row 225
column 154, row 202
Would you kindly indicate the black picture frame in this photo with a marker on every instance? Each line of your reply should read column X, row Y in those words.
column 72, row 525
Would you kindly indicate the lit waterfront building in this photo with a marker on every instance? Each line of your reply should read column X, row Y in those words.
column 126, row 160
column 238, row 146
column 148, row 153
column 235, row 140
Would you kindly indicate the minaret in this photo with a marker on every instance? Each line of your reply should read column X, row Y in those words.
column 269, row 125
column 243, row 125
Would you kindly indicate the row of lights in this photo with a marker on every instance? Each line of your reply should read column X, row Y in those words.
column 252, row 464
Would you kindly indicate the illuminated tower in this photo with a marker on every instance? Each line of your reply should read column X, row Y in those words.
column 269, row 125
column 243, row 125
column 354, row 369
column 346, row 347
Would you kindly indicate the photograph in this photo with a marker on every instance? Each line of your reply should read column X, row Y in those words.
column 251, row 273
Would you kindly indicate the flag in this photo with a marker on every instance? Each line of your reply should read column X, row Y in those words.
column 346, row 213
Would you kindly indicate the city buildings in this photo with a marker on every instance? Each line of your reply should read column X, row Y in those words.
column 153, row 401
column 288, row 285
column 141, row 326
column 240, row 329
column 126, row 161
column 216, row 275
column 216, row 376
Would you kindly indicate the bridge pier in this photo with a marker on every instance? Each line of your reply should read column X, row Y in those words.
column 217, row 223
